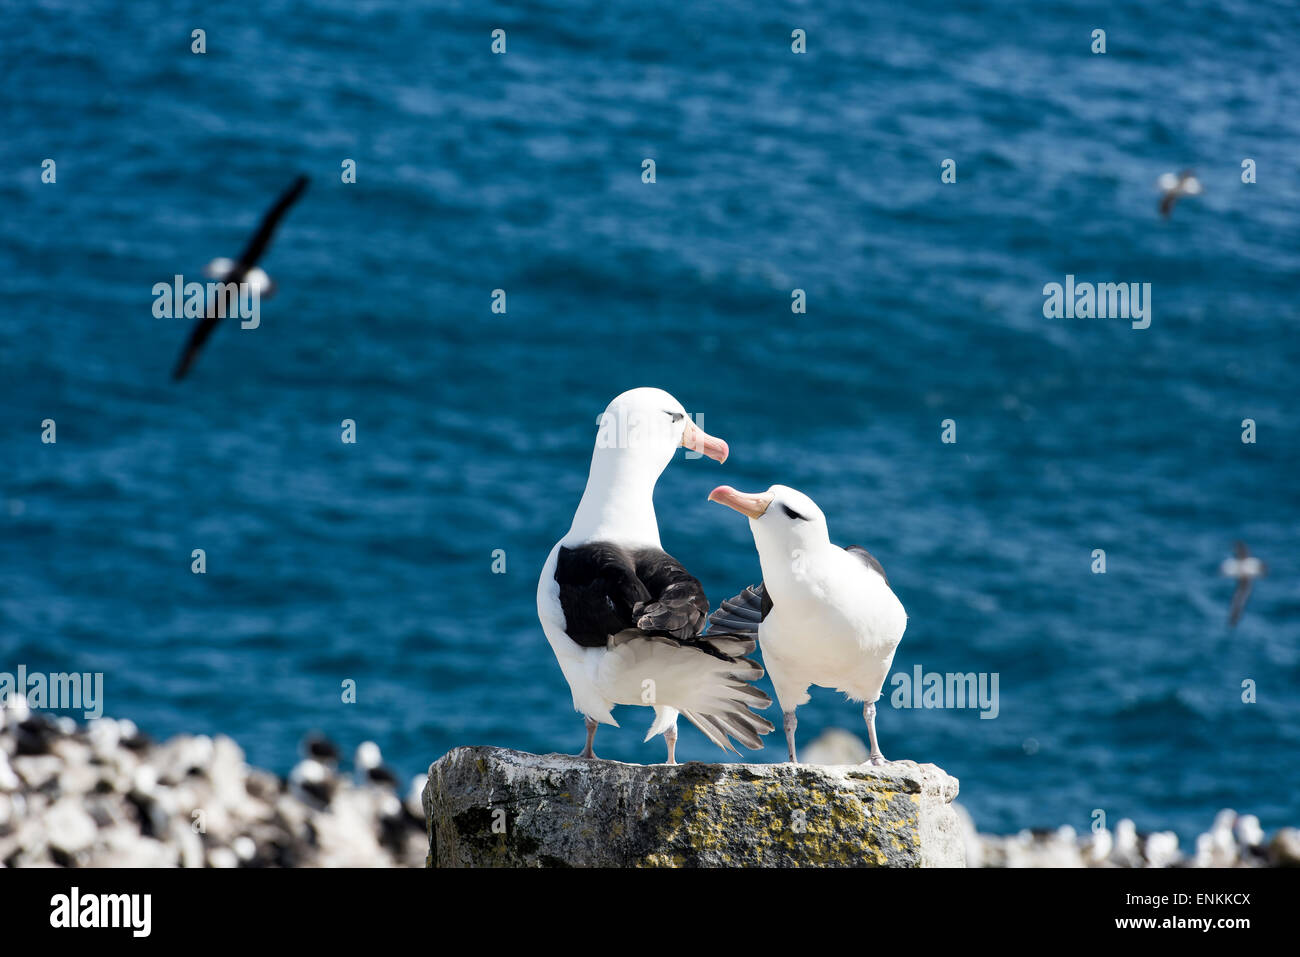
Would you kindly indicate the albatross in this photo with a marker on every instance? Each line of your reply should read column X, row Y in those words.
column 1245, row 568
column 824, row 615
column 241, row 270
column 1175, row 186
column 623, row 617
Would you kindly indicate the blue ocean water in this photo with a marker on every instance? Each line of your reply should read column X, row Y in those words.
column 775, row 171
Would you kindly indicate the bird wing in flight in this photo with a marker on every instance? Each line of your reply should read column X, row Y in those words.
column 236, row 271
column 1239, row 598
column 193, row 345
column 262, row 238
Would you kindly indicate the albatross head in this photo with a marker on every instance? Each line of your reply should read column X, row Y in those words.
column 784, row 520
column 638, row 433
column 644, row 427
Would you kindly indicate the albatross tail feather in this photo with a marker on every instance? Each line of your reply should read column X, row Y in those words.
column 664, row 718
column 705, row 678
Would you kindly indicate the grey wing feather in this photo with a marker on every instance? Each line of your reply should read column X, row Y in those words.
column 868, row 559
column 744, row 613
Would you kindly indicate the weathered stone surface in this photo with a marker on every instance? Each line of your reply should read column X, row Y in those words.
column 492, row 807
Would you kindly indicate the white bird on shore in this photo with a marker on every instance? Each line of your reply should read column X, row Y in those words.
column 1097, row 847
column 1175, row 186
column 1161, row 849
column 368, row 762
column 622, row 615
column 1127, row 852
column 824, row 615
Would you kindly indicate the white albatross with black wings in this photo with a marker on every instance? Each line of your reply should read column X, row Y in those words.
column 824, row 615
column 235, row 272
column 623, row 617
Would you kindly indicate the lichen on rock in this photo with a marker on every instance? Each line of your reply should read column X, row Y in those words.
column 496, row 807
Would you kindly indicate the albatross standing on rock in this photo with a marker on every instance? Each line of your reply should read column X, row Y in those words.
column 824, row 615
column 623, row 617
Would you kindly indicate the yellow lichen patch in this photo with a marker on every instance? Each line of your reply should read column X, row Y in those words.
column 781, row 822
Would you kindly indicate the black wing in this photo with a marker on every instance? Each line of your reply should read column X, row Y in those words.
column 599, row 591
column 868, row 559
column 193, row 345
column 262, row 238
column 606, row 589
column 678, row 607
column 1239, row 598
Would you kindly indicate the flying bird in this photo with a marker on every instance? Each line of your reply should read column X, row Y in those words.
column 824, row 615
column 623, row 617
column 243, row 269
column 1245, row 568
column 1174, row 187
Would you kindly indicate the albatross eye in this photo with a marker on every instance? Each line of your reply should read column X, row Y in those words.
column 791, row 513
column 676, row 416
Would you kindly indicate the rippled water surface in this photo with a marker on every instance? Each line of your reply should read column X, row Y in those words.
column 521, row 172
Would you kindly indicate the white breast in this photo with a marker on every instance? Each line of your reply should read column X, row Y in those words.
column 834, row 623
column 579, row 665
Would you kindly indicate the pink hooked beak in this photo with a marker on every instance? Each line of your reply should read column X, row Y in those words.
column 697, row 440
column 750, row 504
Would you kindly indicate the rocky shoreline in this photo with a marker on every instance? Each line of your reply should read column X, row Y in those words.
column 105, row 795
column 1233, row 840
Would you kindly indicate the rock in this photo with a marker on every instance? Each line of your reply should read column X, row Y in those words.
column 970, row 838
column 495, row 807
column 1284, row 850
